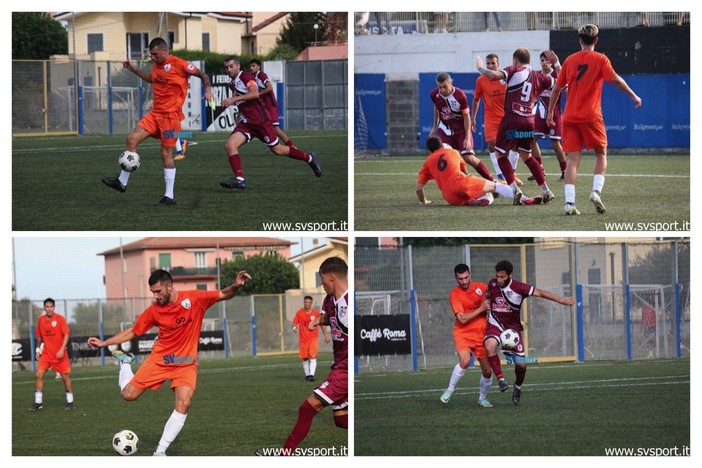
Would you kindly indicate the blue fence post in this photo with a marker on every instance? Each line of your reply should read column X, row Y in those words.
column 32, row 347
column 678, row 317
column 627, row 320
column 579, row 318
column 413, row 329
column 253, row 335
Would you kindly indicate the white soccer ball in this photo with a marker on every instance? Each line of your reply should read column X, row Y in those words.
column 509, row 339
column 125, row 442
column 129, row 161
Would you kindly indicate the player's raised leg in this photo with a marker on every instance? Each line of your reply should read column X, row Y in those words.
column 295, row 153
column 134, row 139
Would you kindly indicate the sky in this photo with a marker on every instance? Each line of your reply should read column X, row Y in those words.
column 70, row 267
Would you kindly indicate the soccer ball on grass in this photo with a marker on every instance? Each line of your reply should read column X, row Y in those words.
column 509, row 339
column 125, row 442
column 129, row 161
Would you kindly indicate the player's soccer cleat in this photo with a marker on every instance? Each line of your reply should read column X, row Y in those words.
column 484, row 403
column 518, row 180
column 479, row 202
column 516, row 396
column 571, row 210
column 548, row 196
column 597, row 201
column 234, row 183
column 531, row 177
column 531, row 201
column 165, row 201
column 183, row 146
column 122, row 357
column 562, row 179
column 503, row 385
column 36, row 407
column 70, row 406
column 517, row 198
column 114, row 183
column 446, row 396
column 314, row 164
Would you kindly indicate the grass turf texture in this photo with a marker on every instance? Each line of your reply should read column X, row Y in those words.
column 239, row 406
column 566, row 409
column 56, row 186
column 639, row 189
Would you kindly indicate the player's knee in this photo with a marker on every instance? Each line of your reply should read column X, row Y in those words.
column 464, row 363
column 280, row 150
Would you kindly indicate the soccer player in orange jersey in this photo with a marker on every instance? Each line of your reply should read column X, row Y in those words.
column 584, row 73
column 178, row 316
column 469, row 306
column 169, row 77
column 447, row 168
column 309, row 339
column 52, row 336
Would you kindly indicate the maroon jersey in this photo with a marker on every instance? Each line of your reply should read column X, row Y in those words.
column 253, row 111
column 541, row 129
column 506, row 303
column 524, row 86
column 337, row 314
column 451, row 109
column 268, row 99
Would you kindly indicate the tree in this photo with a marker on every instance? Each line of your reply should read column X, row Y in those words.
column 298, row 31
column 37, row 36
column 272, row 274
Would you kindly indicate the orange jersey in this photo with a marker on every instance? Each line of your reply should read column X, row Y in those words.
column 466, row 301
column 584, row 73
column 170, row 84
column 178, row 325
column 52, row 331
column 493, row 94
column 302, row 320
column 446, row 167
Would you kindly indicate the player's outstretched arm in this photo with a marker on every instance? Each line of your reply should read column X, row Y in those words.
column 119, row 338
column 230, row 291
column 138, row 72
column 619, row 82
column 566, row 301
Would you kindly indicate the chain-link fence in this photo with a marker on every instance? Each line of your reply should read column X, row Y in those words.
column 244, row 325
column 615, row 284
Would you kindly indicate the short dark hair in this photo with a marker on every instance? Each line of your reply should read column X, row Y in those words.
column 588, row 33
column 309, row 297
column 158, row 42
column 160, row 276
column 48, row 300
column 493, row 55
column 334, row 265
column 229, row 58
column 461, row 268
column 256, row 61
column 542, row 54
column 504, row 265
column 443, row 77
column 434, row 143
column 523, row 55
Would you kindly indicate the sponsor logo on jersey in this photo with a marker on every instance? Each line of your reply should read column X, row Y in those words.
column 167, row 67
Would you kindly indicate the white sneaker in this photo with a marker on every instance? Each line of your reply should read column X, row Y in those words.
column 571, row 210
column 597, row 201
column 484, row 403
column 446, row 396
column 548, row 196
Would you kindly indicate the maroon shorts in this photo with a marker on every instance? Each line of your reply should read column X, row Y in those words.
column 456, row 141
column 493, row 331
column 334, row 390
column 542, row 130
column 264, row 132
column 515, row 133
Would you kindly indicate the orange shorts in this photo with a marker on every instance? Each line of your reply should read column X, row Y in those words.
column 490, row 126
column 166, row 127
column 152, row 375
column 309, row 348
column 463, row 190
column 62, row 366
column 470, row 342
column 591, row 135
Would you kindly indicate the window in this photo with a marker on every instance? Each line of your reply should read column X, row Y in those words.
column 171, row 39
column 200, row 259
column 164, row 261
column 317, row 281
column 95, row 42
column 238, row 254
column 136, row 44
column 201, row 287
column 206, row 42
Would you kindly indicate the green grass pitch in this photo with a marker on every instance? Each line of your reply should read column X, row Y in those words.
column 240, row 405
column 567, row 409
column 641, row 193
column 56, row 186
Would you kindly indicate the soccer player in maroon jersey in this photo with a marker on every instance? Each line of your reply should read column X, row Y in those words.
column 541, row 128
column 265, row 91
column 452, row 122
column 506, row 296
column 253, row 122
column 516, row 130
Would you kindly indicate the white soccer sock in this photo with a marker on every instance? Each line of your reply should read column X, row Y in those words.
column 178, row 146
column 485, row 385
column 124, row 177
column 598, row 182
column 169, row 175
column 173, row 426
column 495, row 164
column 38, row 397
column 570, row 193
column 125, row 375
column 456, row 376
column 504, row 190
column 313, row 366
column 69, row 397
column 306, row 367
column 514, row 159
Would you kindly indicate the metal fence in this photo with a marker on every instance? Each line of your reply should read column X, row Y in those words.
column 253, row 325
column 612, row 281
column 442, row 22
column 316, row 95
